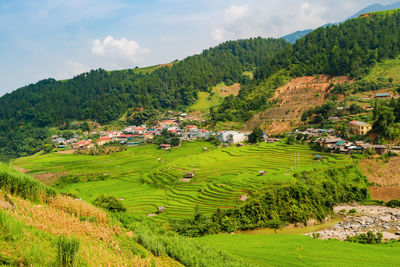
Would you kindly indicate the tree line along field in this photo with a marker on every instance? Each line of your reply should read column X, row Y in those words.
column 146, row 177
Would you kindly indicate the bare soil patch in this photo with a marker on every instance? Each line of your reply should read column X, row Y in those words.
column 20, row 169
column 293, row 99
column 230, row 90
column 385, row 176
column 48, row 178
column 71, row 151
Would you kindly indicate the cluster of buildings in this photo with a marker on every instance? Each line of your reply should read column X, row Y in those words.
column 135, row 135
column 327, row 139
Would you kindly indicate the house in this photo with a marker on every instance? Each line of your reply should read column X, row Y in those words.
column 380, row 149
column 190, row 127
column 59, row 140
column 262, row 172
column 383, row 95
column 231, row 137
column 331, row 142
column 161, row 209
column 166, row 123
column 189, row 175
column 103, row 140
column 84, row 144
column 148, row 136
column 165, row 146
column 359, row 127
column 334, row 119
column 395, row 149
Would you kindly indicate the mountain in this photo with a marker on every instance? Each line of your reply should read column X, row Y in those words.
column 350, row 49
column 291, row 38
column 101, row 96
column 375, row 8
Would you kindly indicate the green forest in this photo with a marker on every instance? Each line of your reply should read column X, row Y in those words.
column 102, row 96
column 350, row 48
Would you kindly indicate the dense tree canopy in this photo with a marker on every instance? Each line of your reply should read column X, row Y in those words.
column 350, row 48
column 104, row 96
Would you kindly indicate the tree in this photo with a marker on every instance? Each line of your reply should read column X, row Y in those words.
column 109, row 203
column 175, row 141
column 256, row 136
column 384, row 118
column 275, row 224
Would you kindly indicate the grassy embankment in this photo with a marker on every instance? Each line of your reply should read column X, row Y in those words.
column 33, row 217
column 136, row 175
column 39, row 227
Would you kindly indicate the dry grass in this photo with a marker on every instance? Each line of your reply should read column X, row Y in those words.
column 79, row 208
column 99, row 246
column 58, row 222
column 386, row 176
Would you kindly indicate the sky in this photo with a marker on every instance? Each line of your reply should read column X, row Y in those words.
column 40, row 39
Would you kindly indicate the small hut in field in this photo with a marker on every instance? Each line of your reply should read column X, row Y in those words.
column 161, row 209
column 189, row 175
column 262, row 172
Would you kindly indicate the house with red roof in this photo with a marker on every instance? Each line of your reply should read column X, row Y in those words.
column 83, row 144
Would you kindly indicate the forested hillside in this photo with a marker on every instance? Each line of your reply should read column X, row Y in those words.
column 349, row 49
column 103, row 96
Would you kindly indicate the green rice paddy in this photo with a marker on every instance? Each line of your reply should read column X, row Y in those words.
column 298, row 250
column 146, row 177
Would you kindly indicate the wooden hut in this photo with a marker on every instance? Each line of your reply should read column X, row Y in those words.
column 189, row 175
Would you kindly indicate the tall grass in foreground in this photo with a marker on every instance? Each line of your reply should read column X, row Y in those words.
column 22, row 185
column 187, row 251
column 67, row 251
column 10, row 229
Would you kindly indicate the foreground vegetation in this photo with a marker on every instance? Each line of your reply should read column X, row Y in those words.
column 297, row 250
column 61, row 231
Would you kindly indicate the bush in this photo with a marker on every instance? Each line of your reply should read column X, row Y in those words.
column 67, row 251
column 394, row 203
column 109, row 203
column 368, row 238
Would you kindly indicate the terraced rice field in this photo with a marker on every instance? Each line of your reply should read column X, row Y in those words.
column 145, row 177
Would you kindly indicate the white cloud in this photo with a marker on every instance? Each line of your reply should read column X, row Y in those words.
column 235, row 13
column 221, row 34
column 115, row 49
column 75, row 68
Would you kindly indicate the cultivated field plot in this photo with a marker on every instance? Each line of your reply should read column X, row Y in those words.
column 146, row 178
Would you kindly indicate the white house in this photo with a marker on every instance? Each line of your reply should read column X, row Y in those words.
column 231, row 137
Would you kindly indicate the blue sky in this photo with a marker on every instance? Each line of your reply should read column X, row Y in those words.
column 62, row 38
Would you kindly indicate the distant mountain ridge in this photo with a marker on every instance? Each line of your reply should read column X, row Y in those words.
column 293, row 37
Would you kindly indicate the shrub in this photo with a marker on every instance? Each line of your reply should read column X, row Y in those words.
column 109, row 203
column 67, row 251
column 394, row 203
column 368, row 238
column 352, row 211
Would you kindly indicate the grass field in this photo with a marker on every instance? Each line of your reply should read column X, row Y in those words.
column 298, row 250
column 144, row 182
column 384, row 70
column 207, row 100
